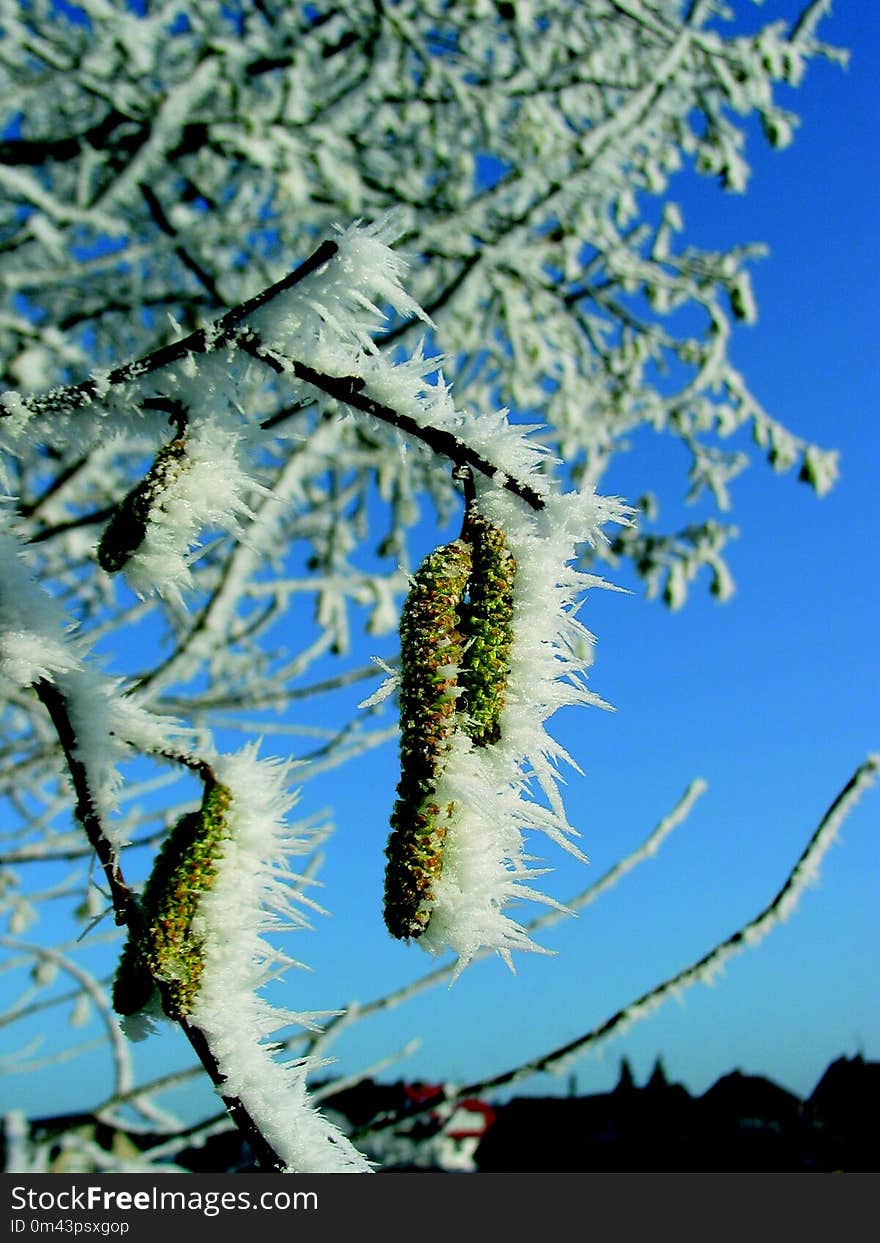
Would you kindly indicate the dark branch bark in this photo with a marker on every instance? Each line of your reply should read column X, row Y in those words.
column 262, row 1149
column 350, row 391
column 125, row 903
column 34, row 151
column 160, row 218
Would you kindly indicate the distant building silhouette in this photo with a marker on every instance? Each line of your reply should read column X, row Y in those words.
column 628, row 1128
column 658, row 1076
column 841, row 1116
column 741, row 1123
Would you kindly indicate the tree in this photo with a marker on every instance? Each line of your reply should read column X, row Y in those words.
column 236, row 433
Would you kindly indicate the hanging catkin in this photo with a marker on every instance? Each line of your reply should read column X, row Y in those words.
column 127, row 528
column 455, row 636
column 168, row 953
column 430, row 651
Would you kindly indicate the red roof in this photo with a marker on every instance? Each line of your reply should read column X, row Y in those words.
column 484, row 1117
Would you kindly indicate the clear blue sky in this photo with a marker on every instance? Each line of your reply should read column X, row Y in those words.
column 772, row 698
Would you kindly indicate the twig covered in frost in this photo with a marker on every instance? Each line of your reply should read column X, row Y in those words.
column 123, row 899
column 93, row 722
column 95, row 389
column 349, row 391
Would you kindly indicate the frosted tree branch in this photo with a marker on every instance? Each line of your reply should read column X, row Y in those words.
column 129, row 913
column 350, row 391
column 125, row 904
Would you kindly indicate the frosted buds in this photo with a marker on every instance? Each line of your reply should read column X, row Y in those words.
column 455, row 634
column 127, row 528
column 167, row 953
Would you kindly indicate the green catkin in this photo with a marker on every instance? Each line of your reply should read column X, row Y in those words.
column 127, row 528
column 168, row 955
column 431, row 644
column 133, row 985
column 485, row 663
column 455, row 636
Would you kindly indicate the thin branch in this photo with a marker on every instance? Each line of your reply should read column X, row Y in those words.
column 350, row 391
column 703, row 969
column 27, row 509
column 435, row 304
column 277, row 698
column 25, row 1010
column 157, row 211
column 223, row 331
column 125, row 904
column 71, row 524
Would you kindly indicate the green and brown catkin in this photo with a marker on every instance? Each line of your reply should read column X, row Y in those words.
column 455, row 636
column 168, row 955
column 431, row 644
column 127, row 528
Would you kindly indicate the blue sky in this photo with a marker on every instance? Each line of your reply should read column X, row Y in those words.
column 772, row 698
